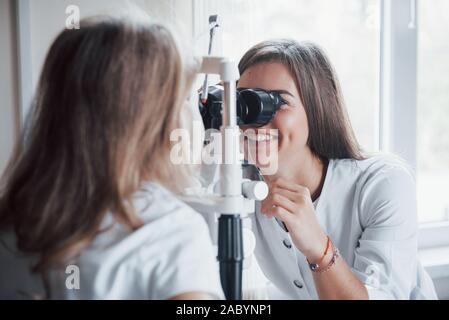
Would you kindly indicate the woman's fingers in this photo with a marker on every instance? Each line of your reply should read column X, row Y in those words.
column 290, row 186
column 278, row 200
column 282, row 214
column 286, row 200
column 292, row 196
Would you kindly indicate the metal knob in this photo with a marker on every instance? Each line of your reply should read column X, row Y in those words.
column 255, row 190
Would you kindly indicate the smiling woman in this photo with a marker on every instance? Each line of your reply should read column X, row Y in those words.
column 349, row 229
column 335, row 24
column 299, row 78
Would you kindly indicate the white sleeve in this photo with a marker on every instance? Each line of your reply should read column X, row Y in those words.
column 386, row 257
column 187, row 262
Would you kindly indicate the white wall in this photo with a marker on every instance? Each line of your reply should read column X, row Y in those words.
column 48, row 19
column 442, row 287
column 8, row 81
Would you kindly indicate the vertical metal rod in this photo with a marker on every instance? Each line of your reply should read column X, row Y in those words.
column 230, row 255
column 230, row 242
column 213, row 24
column 230, row 102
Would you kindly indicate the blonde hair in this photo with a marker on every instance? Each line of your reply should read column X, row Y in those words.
column 109, row 95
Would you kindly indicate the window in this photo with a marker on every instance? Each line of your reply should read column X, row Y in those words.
column 348, row 30
column 433, row 111
column 357, row 35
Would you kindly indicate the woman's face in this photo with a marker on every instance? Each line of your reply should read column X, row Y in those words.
column 290, row 121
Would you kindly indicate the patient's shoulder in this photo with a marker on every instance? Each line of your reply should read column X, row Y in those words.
column 383, row 162
column 167, row 255
column 160, row 208
column 174, row 252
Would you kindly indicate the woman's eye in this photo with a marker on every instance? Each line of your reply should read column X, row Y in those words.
column 284, row 105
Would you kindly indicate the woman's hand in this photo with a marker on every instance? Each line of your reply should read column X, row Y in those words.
column 292, row 204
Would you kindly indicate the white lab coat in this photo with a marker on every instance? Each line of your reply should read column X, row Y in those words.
column 368, row 208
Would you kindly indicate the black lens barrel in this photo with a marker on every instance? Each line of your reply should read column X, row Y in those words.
column 254, row 107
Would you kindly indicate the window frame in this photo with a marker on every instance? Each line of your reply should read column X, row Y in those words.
column 24, row 63
column 398, row 96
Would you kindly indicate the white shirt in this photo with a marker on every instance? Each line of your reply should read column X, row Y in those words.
column 170, row 255
column 368, row 209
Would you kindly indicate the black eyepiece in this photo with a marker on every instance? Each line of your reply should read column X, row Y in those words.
column 254, row 107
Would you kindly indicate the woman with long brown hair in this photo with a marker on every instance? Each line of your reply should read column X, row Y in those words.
column 337, row 224
column 91, row 185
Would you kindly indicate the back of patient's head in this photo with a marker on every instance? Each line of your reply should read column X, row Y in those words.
column 108, row 97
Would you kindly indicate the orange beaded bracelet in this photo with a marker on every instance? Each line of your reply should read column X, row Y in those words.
column 315, row 266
